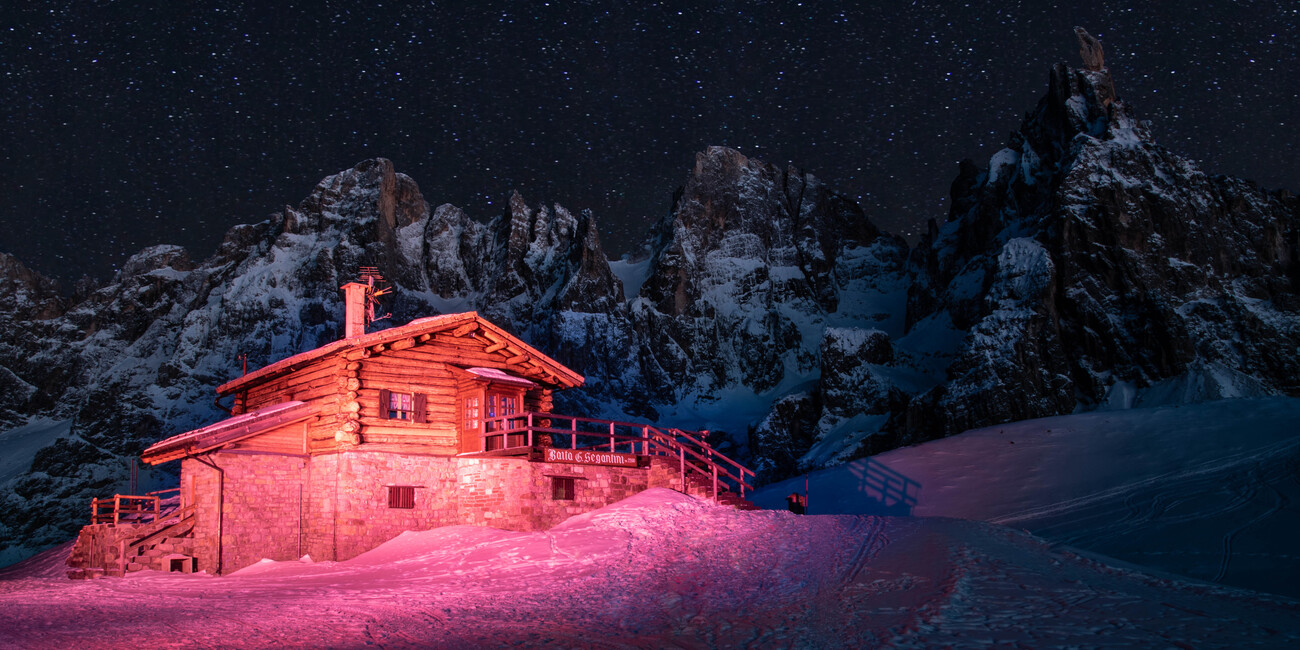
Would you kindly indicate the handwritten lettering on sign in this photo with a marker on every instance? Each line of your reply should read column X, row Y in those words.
column 588, row 457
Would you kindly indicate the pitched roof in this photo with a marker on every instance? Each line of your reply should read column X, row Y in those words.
column 564, row 377
column 230, row 430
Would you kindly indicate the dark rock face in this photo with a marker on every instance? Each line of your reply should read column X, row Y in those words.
column 1090, row 50
column 1091, row 266
column 26, row 295
column 750, row 256
column 28, row 303
column 782, row 438
column 742, row 208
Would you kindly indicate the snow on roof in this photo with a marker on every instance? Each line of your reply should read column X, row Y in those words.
column 498, row 375
column 565, row 375
column 411, row 328
column 226, row 431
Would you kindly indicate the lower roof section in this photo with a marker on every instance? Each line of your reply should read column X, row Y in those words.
column 227, row 431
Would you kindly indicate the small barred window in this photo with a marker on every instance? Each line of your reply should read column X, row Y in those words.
column 561, row 488
column 401, row 496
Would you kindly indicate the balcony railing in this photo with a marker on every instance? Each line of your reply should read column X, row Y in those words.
column 697, row 461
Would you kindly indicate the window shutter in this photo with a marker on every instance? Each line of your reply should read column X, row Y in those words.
column 420, row 403
column 385, row 398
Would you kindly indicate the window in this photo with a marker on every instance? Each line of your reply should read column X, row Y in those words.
column 399, row 406
column 402, row 406
column 561, row 488
column 471, row 414
column 500, row 405
column 401, row 496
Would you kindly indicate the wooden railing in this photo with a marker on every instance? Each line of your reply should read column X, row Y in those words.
column 695, row 457
column 127, row 508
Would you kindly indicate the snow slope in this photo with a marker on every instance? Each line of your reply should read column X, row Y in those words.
column 1206, row 490
column 659, row 570
column 21, row 444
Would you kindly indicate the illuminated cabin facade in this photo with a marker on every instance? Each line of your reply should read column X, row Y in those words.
column 446, row 420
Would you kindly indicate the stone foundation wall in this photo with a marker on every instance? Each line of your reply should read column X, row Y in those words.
column 342, row 500
column 99, row 548
column 350, row 495
column 199, row 487
column 262, row 512
column 515, row 494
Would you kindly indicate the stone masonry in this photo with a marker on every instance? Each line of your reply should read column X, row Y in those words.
column 336, row 506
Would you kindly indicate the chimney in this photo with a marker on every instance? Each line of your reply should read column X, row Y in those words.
column 354, row 315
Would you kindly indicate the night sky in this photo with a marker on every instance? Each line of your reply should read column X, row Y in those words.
column 129, row 125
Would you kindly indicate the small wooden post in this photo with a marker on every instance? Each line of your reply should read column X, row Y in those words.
column 530, row 428
column 681, row 457
column 715, row 482
column 611, row 436
column 645, row 441
column 117, row 508
column 573, row 426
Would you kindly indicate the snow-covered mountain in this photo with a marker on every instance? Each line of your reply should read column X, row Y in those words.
column 1087, row 267
column 1090, row 267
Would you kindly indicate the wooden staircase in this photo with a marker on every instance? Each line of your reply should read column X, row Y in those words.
column 162, row 542
column 157, row 548
column 700, row 486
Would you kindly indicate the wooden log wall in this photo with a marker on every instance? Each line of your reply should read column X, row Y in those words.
column 345, row 388
column 306, row 384
column 408, row 370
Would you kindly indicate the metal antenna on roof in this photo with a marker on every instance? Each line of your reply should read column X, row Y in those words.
column 371, row 277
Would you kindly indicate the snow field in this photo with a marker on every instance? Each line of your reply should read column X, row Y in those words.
column 660, row 569
column 1207, row 491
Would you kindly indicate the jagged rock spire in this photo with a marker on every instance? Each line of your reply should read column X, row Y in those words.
column 1094, row 58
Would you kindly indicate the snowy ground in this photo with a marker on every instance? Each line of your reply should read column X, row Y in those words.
column 1210, row 491
column 666, row 570
column 659, row 570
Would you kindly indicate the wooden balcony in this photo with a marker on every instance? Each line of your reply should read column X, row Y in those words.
column 532, row 433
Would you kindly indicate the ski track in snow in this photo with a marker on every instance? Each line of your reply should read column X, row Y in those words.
column 1167, row 482
column 1207, row 491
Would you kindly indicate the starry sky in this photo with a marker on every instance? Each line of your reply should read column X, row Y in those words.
column 132, row 124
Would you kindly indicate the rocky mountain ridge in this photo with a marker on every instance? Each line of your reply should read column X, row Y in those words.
column 1086, row 267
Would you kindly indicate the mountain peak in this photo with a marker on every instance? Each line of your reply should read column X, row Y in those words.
column 1094, row 57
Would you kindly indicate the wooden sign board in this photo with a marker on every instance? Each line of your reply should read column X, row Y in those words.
column 588, row 457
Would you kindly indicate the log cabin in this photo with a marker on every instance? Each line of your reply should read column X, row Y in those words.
column 445, row 420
